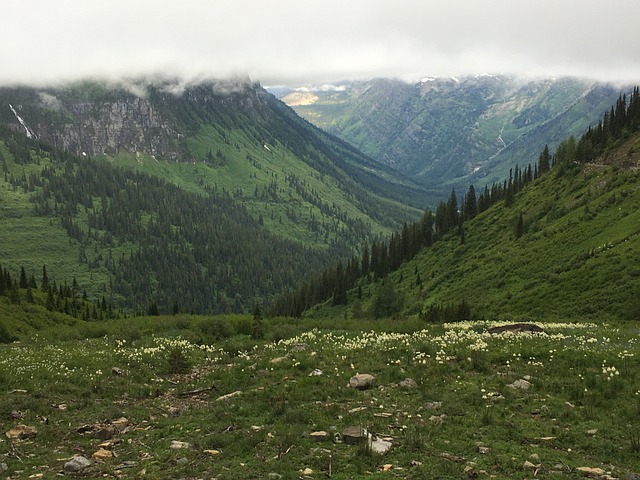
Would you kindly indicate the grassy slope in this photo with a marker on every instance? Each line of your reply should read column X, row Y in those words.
column 575, row 413
column 576, row 259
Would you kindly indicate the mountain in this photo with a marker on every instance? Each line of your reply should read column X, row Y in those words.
column 202, row 198
column 557, row 243
column 450, row 132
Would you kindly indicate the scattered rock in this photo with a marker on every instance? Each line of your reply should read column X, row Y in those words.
column 116, row 371
column 357, row 409
column 21, row 432
column 516, row 328
column 530, row 466
column 437, row 419
column 120, row 423
column 102, row 454
column 175, row 444
column 415, row 463
column 229, row 395
column 433, row 405
column 520, row 384
column 212, row 452
column 17, row 414
column 307, row 471
column 77, row 464
column 316, row 372
column 354, row 435
column 386, row 467
column 534, row 457
column 379, row 445
column 484, row 450
column 105, row 433
column 592, row 431
column 3, row 467
column 408, row 383
column 320, row 436
column 591, row 472
column 362, row 381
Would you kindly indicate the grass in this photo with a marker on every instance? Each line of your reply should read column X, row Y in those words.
column 572, row 415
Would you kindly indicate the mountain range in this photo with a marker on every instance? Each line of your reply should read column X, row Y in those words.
column 451, row 132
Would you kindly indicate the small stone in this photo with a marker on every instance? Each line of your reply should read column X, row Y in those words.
column 591, row 471
column 3, row 467
column 353, row 435
column 316, row 372
column 229, row 395
column 386, row 467
column 105, row 433
column 362, row 381
column 116, row 371
column 307, row 471
column 534, row 456
column 182, row 461
column 320, row 436
column 102, row 454
column 21, row 432
column 592, row 431
column 176, row 445
column 437, row 419
column 483, row 450
column 530, row 466
column 433, row 405
column 357, row 409
column 212, row 452
column 256, row 428
column 120, row 423
column 408, row 383
column 520, row 384
column 379, row 445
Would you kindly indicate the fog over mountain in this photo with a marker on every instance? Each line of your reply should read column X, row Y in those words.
column 287, row 42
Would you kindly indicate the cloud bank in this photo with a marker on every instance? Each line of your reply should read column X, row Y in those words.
column 291, row 42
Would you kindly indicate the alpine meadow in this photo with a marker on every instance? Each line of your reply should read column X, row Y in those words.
column 197, row 283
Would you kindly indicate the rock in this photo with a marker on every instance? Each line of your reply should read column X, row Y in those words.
column 120, row 423
column 520, row 385
column 116, row 371
column 182, row 461
column 320, row 436
column 516, row 328
column 105, row 433
column 3, row 467
column 379, row 445
column 229, row 395
column 274, row 476
column 535, row 457
column 357, row 409
column 212, row 452
column 176, row 445
column 316, row 372
column 433, row 405
column 21, row 432
column 354, row 435
column 437, row 419
column 386, row 467
column 484, row 450
column 530, row 466
column 591, row 472
column 77, row 464
column 362, row 381
column 307, row 471
column 102, row 454
column 408, row 383
column 592, row 431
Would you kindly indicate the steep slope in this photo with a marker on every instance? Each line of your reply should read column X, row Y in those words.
column 223, row 136
column 452, row 132
column 565, row 245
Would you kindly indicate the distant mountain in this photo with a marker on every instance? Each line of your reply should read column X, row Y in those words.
column 210, row 196
column 450, row 132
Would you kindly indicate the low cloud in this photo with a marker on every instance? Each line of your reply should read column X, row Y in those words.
column 286, row 42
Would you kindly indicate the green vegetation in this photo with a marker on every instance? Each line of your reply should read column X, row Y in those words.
column 175, row 406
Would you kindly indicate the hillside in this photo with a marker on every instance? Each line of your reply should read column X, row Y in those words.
column 454, row 131
column 227, row 135
column 563, row 246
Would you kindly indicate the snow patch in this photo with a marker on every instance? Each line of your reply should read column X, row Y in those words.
column 30, row 133
column 428, row 79
column 266, row 147
column 454, row 79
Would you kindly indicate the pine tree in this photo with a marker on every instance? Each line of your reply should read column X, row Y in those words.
column 257, row 327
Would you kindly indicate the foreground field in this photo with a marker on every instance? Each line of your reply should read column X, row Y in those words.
column 564, row 403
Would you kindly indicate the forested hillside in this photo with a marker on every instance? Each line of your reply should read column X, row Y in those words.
column 559, row 238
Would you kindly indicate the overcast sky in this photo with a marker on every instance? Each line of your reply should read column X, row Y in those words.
column 297, row 42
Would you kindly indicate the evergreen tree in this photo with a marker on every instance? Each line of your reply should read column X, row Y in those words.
column 257, row 327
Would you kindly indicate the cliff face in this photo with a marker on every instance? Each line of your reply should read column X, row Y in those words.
column 93, row 119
